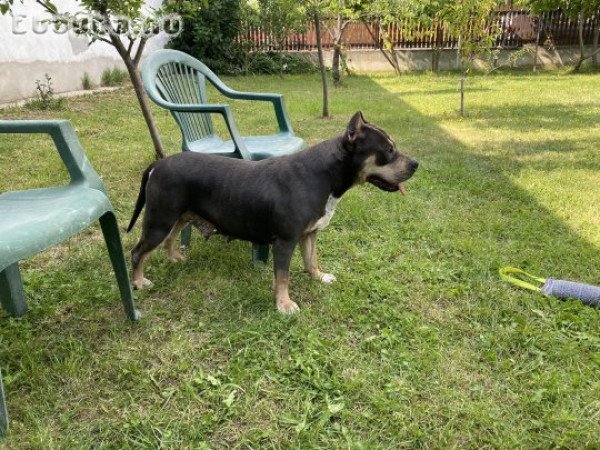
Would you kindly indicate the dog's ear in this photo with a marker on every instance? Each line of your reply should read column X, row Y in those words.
column 354, row 126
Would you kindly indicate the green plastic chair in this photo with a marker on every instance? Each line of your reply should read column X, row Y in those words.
column 176, row 81
column 34, row 220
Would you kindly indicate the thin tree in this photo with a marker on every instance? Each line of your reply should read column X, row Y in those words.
column 279, row 18
column 379, row 16
column 104, row 22
column 579, row 11
column 314, row 10
column 470, row 22
column 341, row 15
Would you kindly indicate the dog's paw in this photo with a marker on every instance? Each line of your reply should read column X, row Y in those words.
column 141, row 284
column 328, row 278
column 288, row 307
column 176, row 256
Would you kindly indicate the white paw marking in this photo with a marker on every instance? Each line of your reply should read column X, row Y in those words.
column 144, row 283
column 328, row 278
column 288, row 308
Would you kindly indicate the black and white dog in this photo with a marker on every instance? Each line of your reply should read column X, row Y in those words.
column 280, row 201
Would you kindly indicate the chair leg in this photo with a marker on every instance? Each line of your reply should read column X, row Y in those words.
column 12, row 295
column 260, row 255
column 110, row 229
column 186, row 236
column 3, row 411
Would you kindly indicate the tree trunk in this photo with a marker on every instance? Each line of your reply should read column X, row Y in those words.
column 390, row 55
column 537, row 42
column 582, row 56
column 580, row 19
column 435, row 58
column 436, row 50
column 458, row 54
column 138, row 87
column 595, row 58
column 322, row 66
column 335, row 69
column 136, row 81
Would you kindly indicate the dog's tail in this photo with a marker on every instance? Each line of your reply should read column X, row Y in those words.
column 141, row 200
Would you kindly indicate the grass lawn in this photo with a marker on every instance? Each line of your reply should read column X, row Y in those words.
column 418, row 344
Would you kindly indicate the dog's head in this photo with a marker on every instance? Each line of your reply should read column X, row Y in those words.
column 376, row 157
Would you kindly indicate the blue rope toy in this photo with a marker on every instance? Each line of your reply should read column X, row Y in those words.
column 563, row 289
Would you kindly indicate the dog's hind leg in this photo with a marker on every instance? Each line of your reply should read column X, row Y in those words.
column 173, row 253
column 152, row 235
column 282, row 254
column 308, row 247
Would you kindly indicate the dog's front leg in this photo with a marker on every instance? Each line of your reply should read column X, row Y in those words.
column 282, row 254
column 308, row 246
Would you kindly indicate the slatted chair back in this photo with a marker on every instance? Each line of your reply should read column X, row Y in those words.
column 178, row 82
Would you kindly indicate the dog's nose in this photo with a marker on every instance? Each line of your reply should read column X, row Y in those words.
column 414, row 164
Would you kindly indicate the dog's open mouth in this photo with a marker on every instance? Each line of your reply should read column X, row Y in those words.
column 385, row 185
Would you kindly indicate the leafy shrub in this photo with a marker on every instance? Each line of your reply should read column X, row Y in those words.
column 209, row 34
column 114, row 77
column 86, row 82
column 278, row 63
column 46, row 100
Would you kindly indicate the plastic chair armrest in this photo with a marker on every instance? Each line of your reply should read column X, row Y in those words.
column 283, row 121
column 225, row 111
column 66, row 142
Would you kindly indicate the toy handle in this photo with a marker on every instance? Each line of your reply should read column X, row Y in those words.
column 519, row 278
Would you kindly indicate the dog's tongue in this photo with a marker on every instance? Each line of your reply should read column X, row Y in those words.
column 401, row 188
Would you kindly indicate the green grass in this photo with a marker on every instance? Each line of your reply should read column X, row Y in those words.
column 418, row 344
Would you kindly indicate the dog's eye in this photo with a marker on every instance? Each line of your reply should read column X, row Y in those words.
column 391, row 149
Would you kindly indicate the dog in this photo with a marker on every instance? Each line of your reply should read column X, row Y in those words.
column 282, row 201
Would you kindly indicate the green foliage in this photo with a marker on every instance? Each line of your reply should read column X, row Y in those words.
column 279, row 18
column 570, row 7
column 277, row 63
column 469, row 21
column 86, row 82
column 209, row 34
column 114, row 77
column 387, row 12
column 45, row 96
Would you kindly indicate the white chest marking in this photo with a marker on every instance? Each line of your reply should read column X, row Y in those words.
column 329, row 210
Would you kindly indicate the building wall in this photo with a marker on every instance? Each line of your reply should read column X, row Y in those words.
column 25, row 58
column 416, row 59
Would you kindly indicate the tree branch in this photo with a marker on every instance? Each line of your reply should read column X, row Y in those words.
column 131, row 42
column 140, row 50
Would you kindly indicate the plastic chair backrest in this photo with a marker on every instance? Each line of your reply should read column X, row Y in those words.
column 176, row 77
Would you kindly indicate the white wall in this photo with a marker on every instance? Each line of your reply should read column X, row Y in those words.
column 25, row 58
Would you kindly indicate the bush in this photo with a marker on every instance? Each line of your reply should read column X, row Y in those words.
column 209, row 34
column 279, row 63
column 86, row 82
column 114, row 77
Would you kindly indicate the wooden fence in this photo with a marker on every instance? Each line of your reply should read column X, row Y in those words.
column 513, row 28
